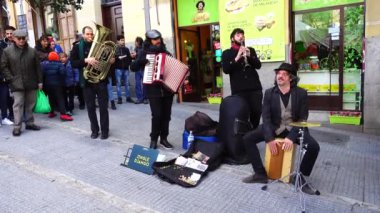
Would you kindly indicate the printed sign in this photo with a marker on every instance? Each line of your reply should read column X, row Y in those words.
column 263, row 22
column 313, row 4
column 195, row 12
column 142, row 159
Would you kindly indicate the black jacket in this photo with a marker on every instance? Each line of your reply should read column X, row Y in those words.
column 242, row 79
column 4, row 43
column 156, row 89
column 272, row 111
column 124, row 62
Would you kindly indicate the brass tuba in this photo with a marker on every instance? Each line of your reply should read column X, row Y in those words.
column 102, row 51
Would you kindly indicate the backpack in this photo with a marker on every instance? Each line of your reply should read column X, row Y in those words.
column 201, row 124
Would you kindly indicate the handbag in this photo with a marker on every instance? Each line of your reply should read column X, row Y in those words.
column 42, row 103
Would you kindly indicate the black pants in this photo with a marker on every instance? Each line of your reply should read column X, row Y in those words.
column 91, row 92
column 256, row 136
column 56, row 100
column 161, row 109
column 69, row 98
column 254, row 100
column 79, row 91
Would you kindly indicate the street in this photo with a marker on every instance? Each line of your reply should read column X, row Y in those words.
column 60, row 169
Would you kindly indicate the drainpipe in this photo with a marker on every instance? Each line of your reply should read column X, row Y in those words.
column 147, row 15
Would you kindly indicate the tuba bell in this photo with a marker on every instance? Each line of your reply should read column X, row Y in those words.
column 102, row 51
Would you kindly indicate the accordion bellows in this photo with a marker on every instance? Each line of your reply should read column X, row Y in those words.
column 166, row 70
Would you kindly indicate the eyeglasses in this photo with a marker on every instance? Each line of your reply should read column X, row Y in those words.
column 20, row 38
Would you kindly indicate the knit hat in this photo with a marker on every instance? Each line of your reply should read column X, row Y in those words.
column 53, row 56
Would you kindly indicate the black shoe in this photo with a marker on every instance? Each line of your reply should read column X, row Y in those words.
column 94, row 135
column 146, row 101
column 119, row 100
column 153, row 144
column 165, row 143
column 113, row 106
column 129, row 100
column 16, row 132
column 305, row 187
column 32, row 127
column 104, row 136
column 139, row 102
column 256, row 178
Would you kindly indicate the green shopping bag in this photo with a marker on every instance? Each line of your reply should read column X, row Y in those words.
column 42, row 103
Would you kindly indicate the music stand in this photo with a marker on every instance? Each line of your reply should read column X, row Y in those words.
column 297, row 174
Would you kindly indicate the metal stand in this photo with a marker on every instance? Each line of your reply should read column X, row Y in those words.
column 297, row 174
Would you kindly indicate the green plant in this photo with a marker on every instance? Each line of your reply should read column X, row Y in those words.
column 353, row 36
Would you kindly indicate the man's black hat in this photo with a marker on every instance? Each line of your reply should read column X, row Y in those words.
column 288, row 67
column 153, row 34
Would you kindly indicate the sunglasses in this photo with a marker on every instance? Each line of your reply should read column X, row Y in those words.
column 20, row 38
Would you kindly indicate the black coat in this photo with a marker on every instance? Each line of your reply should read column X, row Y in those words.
column 124, row 62
column 242, row 79
column 272, row 111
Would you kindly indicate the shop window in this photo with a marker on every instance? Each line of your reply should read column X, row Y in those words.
column 328, row 52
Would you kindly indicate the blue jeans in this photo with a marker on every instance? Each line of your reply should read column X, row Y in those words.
column 119, row 73
column 140, row 93
column 110, row 89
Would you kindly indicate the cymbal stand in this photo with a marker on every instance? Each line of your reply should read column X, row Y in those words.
column 297, row 174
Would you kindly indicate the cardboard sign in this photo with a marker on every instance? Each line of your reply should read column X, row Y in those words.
column 142, row 159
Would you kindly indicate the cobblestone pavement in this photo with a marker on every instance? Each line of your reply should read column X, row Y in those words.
column 60, row 169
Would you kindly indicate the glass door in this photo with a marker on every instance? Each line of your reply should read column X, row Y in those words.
column 317, row 48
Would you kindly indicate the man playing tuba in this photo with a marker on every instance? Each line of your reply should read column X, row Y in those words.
column 79, row 59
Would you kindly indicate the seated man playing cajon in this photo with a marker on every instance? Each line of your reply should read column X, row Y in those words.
column 283, row 104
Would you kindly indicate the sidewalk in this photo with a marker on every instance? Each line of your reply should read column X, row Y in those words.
column 60, row 169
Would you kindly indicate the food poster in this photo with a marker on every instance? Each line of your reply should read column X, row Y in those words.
column 195, row 12
column 263, row 22
column 313, row 4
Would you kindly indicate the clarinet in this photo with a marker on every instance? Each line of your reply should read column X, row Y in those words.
column 246, row 64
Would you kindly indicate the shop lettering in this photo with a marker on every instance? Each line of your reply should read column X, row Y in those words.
column 264, row 2
column 142, row 160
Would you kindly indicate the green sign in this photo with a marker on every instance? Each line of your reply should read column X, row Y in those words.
column 263, row 22
column 195, row 12
column 313, row 4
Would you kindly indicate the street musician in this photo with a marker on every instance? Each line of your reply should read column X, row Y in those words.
column 283, row 104
column 160, row 97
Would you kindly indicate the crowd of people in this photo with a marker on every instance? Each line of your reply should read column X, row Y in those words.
column 60, row 76
column 24, row 70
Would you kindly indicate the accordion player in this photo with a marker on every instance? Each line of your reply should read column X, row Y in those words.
column 165, row 69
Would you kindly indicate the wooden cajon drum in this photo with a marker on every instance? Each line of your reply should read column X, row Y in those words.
column 280, row 165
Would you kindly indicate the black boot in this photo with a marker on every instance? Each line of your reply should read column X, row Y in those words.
column 113, row 106
column 165, row 143
column 119, row 100
column 153, row 144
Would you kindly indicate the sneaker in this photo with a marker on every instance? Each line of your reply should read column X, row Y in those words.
column 69, row 113
column 66, row 117
column 146, row 101
column 256, row 178
column 119, row 100
column 129, row 100
column 51, row 114
column 165, row 143
column 6, row 121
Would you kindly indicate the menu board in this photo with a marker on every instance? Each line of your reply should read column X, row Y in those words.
column 263, row 22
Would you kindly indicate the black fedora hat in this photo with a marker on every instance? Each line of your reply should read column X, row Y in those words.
column 288, row 67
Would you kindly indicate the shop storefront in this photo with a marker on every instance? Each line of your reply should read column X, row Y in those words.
column 327, row 43
column 325, row 39
column 198, row 47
